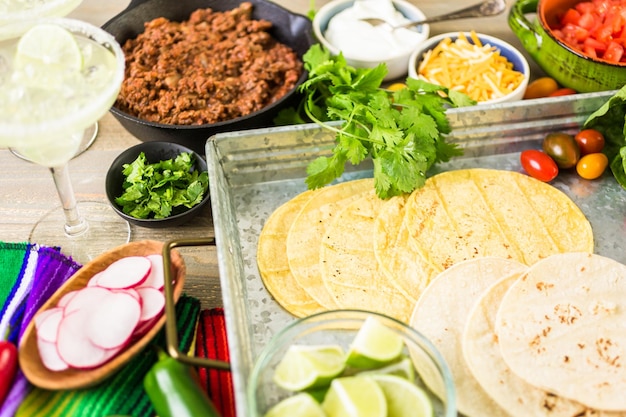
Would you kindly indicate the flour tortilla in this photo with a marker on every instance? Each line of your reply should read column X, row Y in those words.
column 272, row 259
column 305, row 235
column 440, row 314
column 481, row 352
column 561, row 328
column 348, row 264
column 465, row 214
column 401, row 261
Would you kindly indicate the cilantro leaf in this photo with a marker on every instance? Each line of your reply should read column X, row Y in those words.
column 161, row 189
column 403, row 131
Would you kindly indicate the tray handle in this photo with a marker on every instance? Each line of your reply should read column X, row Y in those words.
column 171, row 335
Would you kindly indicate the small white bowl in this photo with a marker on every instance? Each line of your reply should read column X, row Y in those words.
column 396, row 64
column 507, row 50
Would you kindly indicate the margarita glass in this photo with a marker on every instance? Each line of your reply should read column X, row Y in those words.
column 56, row 80
column 13, row 14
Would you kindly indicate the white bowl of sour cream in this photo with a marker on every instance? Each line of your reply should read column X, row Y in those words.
column 339, row 27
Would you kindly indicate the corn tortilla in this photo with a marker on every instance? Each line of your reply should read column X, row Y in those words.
column 272, row 259
column 403, row 263
column 440, row 314
column 305, row 235
column 561, row 328
column 348, row 264
column 465, row 214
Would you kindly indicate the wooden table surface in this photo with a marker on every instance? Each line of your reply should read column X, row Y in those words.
column 27, row 190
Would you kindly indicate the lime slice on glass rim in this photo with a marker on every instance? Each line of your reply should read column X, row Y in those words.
column 304, row 367
column 300, row 405
column 355, row 396
column 50, row 46
column 375, row 345
column 403, row 397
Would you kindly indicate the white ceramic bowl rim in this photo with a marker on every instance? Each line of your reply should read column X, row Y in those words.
column 327, row 11
column 506, row 49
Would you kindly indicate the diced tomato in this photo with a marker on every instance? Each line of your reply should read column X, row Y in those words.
column 597, row 28
column 614, row 52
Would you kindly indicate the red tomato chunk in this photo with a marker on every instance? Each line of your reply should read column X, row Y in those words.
column 597, row 28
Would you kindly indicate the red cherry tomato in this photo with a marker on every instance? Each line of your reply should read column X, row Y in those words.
column 539, row 165
column 562, row 92
column 591, row 166
column 589, row 141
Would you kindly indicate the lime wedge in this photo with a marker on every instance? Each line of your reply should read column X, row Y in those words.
column 50, row 46
column 355, row 396
column 374, row 345
column 403, row 397
column 403, row 368
column 305, row 367
column 300, row 405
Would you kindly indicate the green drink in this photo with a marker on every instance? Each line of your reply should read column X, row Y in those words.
column 56, row 80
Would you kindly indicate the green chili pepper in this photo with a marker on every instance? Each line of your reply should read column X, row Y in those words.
column 8, row 367
column 174, row 390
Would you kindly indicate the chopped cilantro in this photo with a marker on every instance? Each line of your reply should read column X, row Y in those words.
column 403, row 131
column 162, row 189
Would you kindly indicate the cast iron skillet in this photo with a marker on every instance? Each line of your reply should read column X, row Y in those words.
column 289, row 28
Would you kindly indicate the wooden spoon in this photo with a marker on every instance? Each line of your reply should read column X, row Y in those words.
column 29, row 359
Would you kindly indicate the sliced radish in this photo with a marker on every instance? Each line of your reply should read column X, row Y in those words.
column 131, row 291
column 86, row 298
column 111, row 324
column 74, row 346
column 126, row 272
column 156, row 278
column 50, row 356
column 93, row 281
column 153, row 303
column 65, row 299
column 48, row 328
column 40, row 317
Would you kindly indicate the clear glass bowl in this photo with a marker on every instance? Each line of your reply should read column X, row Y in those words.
column 340, row 327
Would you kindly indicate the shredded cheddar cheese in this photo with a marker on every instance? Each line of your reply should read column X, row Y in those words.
column 470, row 67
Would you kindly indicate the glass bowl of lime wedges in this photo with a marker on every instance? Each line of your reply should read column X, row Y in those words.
column 350, row 362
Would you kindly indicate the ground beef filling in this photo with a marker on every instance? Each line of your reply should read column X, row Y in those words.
column 214, row 67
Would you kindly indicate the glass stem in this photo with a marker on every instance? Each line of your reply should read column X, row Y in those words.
column 75, row 224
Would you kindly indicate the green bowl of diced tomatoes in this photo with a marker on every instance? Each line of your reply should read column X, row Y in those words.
column 579, row 43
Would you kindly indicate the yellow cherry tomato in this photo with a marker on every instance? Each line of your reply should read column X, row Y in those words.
column 592, row 165
column 396, row 86
column 541, row 87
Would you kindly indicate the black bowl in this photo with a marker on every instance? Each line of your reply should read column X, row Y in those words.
column 155, row 152
column 289, row 28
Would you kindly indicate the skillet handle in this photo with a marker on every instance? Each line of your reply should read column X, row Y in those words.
column 522, row 27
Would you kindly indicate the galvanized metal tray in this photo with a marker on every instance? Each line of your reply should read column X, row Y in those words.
column 253, row 172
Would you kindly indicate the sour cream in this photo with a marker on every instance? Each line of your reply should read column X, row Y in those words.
column 360, row 40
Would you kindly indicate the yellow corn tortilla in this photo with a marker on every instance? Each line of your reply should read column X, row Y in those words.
column 272, row 259
column 305, row 235
column 349, row 267
column 403, row 263
column 465, row 214
column 440, row 314
column 481, row 352
column 562, row 328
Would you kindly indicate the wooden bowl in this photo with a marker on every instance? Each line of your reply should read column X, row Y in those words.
column 29, row 359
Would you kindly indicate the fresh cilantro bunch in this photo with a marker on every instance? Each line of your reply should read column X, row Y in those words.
column 402, row 132
column 161, row 189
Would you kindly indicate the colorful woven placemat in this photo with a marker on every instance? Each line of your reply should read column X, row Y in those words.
column 29, row 275
column 212, row 342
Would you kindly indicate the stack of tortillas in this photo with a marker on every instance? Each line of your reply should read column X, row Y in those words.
column 544, row 340
column 343, row 247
